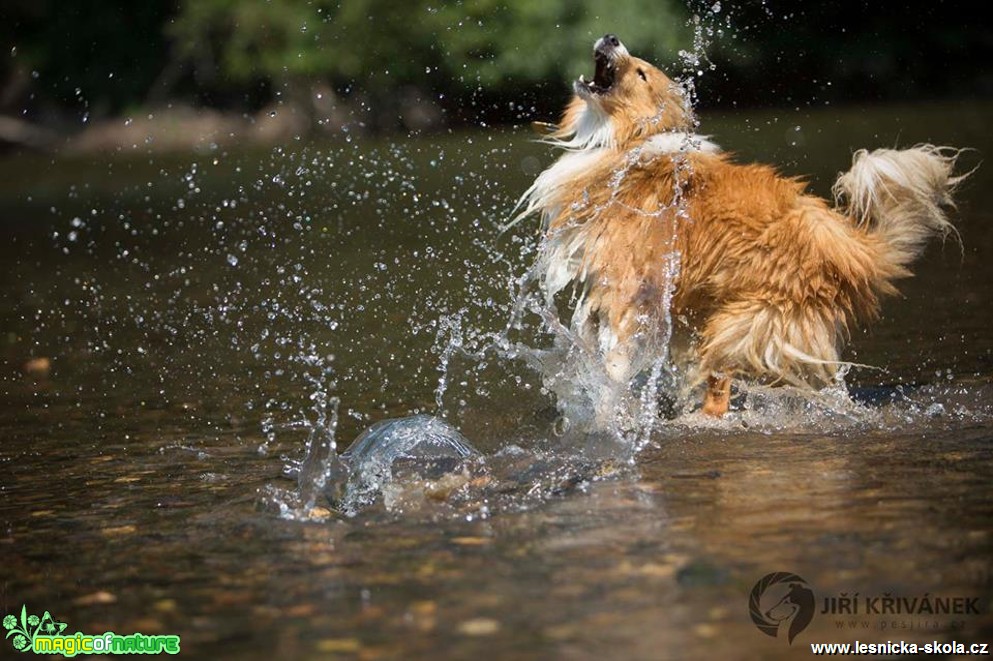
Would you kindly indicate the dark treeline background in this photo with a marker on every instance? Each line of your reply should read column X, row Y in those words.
column 387, row 64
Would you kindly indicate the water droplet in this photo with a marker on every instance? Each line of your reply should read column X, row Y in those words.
column 232, row 260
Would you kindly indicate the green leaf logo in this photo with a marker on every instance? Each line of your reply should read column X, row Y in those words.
column 27, row 627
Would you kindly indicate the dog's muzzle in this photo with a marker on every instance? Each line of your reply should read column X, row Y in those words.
column 606, row 51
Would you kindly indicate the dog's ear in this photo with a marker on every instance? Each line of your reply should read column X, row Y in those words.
column 544, row 128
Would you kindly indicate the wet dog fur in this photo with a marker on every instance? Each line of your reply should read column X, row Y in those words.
column 648, row 221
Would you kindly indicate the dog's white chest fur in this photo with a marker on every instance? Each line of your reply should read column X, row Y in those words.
column 562, row 260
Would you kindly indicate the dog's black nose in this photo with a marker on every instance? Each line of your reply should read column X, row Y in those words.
column 612, row 40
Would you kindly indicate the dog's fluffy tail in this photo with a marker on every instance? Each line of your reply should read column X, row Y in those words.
column 900, row 196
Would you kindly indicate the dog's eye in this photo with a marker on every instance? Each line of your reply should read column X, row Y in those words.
column 642, row 74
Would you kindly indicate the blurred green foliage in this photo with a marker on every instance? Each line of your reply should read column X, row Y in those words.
column 378, row 44
column 474, row 58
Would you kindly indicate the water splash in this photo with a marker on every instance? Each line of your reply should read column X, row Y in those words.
column 284, row 270
column 405, row 461
column 574, row 367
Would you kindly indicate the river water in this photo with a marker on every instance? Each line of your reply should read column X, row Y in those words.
column 200, row 313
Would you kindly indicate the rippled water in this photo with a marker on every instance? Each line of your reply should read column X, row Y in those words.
column 203, row 315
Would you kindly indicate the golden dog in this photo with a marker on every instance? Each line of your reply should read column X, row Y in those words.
column 650, row 222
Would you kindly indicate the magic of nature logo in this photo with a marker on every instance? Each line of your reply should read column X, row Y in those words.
column 45, row 635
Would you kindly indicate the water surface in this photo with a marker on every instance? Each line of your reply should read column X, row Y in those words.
column 191, row 307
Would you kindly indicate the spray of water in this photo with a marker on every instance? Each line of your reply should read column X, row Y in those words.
column 273, row 292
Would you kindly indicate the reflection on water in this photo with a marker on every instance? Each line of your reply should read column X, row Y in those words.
column 202, row 322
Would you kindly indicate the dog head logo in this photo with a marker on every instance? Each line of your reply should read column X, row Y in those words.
column 781, row 602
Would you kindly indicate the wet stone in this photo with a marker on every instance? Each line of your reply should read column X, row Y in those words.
column 479, row 626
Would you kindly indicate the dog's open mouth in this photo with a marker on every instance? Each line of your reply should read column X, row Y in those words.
column 607, row 52
column 603, row 77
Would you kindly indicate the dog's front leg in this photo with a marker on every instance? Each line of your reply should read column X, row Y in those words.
column 718, row 397
column 617, row 365
column 617, row 362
